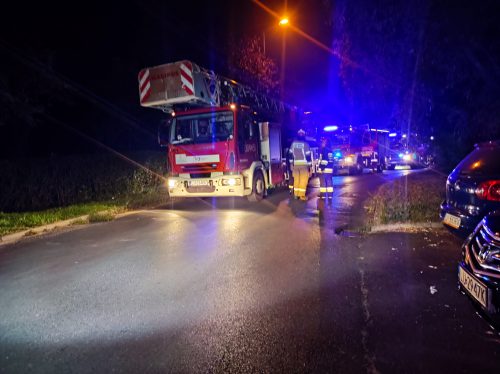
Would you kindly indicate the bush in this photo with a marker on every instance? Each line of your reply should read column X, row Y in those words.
column 412, row 198
column 36, row 184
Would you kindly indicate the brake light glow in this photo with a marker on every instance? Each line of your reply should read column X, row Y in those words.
column 489, row 190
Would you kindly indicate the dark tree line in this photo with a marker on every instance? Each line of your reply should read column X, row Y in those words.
column 427, row 67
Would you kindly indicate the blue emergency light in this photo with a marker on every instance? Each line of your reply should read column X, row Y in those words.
column 330, row 128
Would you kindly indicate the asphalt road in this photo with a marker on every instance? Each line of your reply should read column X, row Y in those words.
column 228, row 286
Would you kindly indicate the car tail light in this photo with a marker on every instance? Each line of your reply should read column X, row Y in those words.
column 489, row 190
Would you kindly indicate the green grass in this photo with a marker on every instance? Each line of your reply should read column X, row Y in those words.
column 12, row 222
column 97, row 212
column 411, row 199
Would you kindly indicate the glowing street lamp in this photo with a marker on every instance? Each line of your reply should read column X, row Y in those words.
column 284, row 21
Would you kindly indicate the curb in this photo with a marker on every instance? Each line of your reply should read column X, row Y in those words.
column 39, row 230
column 405, row 227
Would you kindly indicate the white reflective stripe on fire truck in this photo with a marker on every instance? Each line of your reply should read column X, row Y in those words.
column 144, row 77
column 181, row 159
column 145, row 91
column 144, row 84
column 187, row 79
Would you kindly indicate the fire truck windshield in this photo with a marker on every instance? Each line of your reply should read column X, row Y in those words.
column 202, row 128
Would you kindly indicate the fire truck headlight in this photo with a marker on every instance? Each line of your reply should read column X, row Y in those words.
column 349, row 160
column 231, row 182
column 172, row 183
column 407, row 157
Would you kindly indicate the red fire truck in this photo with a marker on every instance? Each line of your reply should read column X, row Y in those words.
column 358, row 147
column 223, row 138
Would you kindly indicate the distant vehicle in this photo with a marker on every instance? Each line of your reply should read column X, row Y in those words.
column 479, row 269
column 358, row 147
column 223, row 138
column 404, row 158
column 473, row 188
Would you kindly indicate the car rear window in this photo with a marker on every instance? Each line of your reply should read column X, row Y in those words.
column 482, row 161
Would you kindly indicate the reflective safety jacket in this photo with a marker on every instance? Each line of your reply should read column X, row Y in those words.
column 326, row 161
column 300, row 153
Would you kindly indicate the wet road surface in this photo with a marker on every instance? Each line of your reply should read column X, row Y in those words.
column 225, row 285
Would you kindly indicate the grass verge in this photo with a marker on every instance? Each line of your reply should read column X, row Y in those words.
column 414, row 198
column 96, row 211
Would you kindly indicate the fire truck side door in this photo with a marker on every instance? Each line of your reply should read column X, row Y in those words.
column 248, row 138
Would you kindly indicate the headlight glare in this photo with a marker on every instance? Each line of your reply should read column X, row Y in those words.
column 231, row 182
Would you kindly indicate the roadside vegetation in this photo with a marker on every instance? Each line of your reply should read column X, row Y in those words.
column 35, row 193
column 414, row 198
column 11, row 222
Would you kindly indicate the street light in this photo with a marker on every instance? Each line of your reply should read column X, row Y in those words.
column 284, row 21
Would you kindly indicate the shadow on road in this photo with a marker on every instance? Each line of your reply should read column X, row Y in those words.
column 204, row 204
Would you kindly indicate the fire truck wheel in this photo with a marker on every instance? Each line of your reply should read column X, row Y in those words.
column 258, row 187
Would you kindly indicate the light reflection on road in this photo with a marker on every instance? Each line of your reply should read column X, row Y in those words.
column 191, row 262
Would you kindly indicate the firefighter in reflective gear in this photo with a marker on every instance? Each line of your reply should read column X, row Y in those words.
column 325, row 170
column 300, row 153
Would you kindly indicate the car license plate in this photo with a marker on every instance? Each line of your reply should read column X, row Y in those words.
column 475, row 288
column 198, row 182
column 451, row 220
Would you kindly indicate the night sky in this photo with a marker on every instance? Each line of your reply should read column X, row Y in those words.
column 70, row 65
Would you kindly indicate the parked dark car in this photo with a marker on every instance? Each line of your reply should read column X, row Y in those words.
column 479, row 270
column 473, row 188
